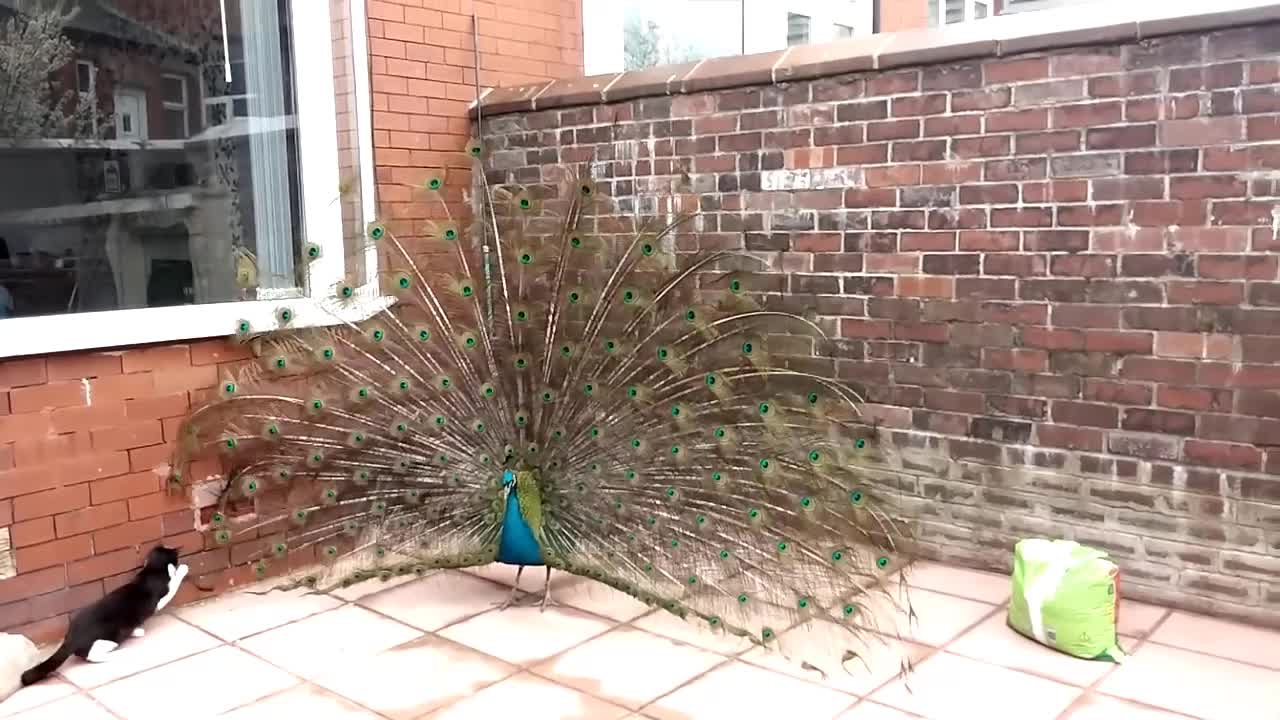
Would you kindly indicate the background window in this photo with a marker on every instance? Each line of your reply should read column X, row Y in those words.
column 176, row 106
column 843, row 31
column 797, row 29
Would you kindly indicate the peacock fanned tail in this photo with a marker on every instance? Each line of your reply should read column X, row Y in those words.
column 675, row 434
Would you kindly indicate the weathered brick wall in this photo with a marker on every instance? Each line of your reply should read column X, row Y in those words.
column 85, row 438
column 1055, row 274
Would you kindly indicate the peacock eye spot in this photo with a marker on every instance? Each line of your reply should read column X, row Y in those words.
column 716, row 476
column 404, row 384
column 521, row 315
column 647, row 249
column 813, row 398
column 467, row 291
column 450, row 234
column 690, row 315
column 404, row 283
column 243, row 326
column 347, row 291
column 720, row 432
column 764, row 408
column 328, row 354
column 475, row 151
column 526, row 258
column 635, row 442
column 782, row 547
column 675, row 411
column 281, row 363
column 675, row 450
column 378, row 335
column 882, row 562
column 671, row 492
column 434, row 183
column 735, row 285
column 424, row 335
column 814, row 456
column 663, row 353
column 724, row 554
column 837, row 556
column 588, row 388
column 628, row 297
column 861, row 443
column 440, row 420
column 524, row 203
column 855, row 497
column 806, row 502
column 229, row 388
column 377, row 232
column 764, row 464
column 586, row 189
column 566, row 350
column 753, row 513
column 363, row 392
column 632, row 392
column 848, row 610
column 742, row 599
column 747, row 348
column 803, row 603
column 546, row 397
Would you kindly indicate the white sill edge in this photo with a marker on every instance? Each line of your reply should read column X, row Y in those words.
column 117, row 329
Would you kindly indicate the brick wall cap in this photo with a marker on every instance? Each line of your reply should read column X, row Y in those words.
column 992, row 37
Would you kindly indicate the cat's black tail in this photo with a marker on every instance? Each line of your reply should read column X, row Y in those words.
column 46, row 668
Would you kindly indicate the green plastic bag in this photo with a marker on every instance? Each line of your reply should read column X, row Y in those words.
column 1066, row 596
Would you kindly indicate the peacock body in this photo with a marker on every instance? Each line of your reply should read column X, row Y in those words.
column 604, row 405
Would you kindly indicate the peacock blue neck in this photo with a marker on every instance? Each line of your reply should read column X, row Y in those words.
column 517, row 544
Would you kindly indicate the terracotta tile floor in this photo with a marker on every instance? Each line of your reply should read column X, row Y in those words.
column 436, row 648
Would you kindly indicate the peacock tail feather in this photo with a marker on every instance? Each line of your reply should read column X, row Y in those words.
column 669, row 433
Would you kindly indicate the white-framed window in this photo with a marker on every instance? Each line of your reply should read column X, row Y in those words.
column 842, row 32
column 87, row 88
column 950, row 12
column 175, row 102
column 115, row 241
column 799, row 28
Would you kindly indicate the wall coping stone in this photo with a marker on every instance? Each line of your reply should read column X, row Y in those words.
column 1117, row 22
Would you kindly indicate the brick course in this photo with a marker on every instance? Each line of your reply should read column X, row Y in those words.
column 1054, row 274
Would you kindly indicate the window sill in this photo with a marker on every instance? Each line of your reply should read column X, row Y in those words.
column 47, row 334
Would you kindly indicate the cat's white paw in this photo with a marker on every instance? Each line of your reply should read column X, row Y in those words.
column 139, row 632
column 100, row 650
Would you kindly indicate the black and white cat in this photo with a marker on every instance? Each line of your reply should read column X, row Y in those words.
column 100, row 628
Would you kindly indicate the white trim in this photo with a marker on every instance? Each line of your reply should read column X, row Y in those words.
column 184, row 105
column 119, row 328
column 364, row 125
column 321, row 222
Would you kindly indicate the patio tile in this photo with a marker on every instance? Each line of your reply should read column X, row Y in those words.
column 742, row 691
column 77, row 707
column 1220, row 637
column 42, row 693
column 596, row 597
column 436, row 601
column 372, row 586
column 529, row 697
column 531, row 579
column 690, row 632
column 986, row 587
column 1100, row 707
column 204, row 685
column 344, row 637
column 525, row 635
column 303, row 701
column 167, row 639
column 416, row 678
column 867, row 710
column 951, row 687
column 1194, row 684
column 240, row 614
column 995, row 642
column 629, row 667
column 880, row 660
column 1137, row 619
column 939, row 618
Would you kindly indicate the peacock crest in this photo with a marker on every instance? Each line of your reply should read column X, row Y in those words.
column 645, row 417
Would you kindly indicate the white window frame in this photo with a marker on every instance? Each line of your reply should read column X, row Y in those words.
column 321, row 221
column 184, row 106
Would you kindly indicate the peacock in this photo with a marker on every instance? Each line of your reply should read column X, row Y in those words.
column 559, row 385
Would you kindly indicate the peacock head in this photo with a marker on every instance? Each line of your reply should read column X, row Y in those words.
column 508, row 479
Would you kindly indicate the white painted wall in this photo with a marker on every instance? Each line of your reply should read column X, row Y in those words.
column 712, row 28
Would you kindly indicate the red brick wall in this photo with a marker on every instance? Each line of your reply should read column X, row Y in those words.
column 423, row 80
column 85, row 438
column 1055, row 275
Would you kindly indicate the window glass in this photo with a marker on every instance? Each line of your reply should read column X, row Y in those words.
column 156, row 164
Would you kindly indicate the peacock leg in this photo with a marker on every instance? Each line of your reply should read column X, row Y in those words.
column 515, row 591
column 546, row 593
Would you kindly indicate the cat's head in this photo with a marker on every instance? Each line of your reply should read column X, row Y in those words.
column 160, row 558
